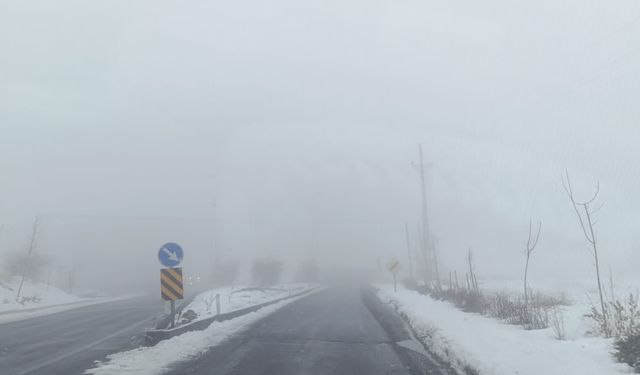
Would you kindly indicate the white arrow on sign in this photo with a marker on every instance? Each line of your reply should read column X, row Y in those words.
column 171, row 254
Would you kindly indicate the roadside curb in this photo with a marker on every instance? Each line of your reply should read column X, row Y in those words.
column 152, row 337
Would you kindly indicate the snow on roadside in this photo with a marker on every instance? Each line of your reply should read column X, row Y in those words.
column 157, row 359
column 240, row 297
column 15, row 316
column 495, row 348
column 33, row 295
column 47, row 301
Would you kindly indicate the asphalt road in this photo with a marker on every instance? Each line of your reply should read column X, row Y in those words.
column 337, row 331
column 68, row 342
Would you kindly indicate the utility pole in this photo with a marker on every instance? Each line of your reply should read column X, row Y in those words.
column 406, row 230
column 27, row 267
column 426, row 233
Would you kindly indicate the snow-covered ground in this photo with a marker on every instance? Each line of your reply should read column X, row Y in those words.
column 239, row 297
column 157, row 359
column 38, row 300
column 495, row 348
column 32, row 295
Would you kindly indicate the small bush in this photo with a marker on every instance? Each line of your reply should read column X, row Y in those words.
column 557, row 323
column 465, row 299
column 266, row 271
column 513, row 310
column 624, row 325
column 505, row 308
column 627, row 350
column 623, row 318
column 26, row 300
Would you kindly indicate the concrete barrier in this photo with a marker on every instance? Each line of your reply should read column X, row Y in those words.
column 153, row 337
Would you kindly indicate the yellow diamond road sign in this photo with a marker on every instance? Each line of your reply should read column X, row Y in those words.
column 393, row 266
column 171, row 284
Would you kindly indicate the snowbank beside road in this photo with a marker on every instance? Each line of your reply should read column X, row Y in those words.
column 38, row 300
column 158, row 359
column 240, row 297
column 495, row 348
column 32, row 295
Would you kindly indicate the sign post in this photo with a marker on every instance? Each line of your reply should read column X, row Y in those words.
column 218, row 304
column 394, row 266
column 171, row 285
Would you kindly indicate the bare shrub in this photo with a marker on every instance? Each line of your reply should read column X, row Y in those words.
column 469, row 300
column 266, row 271
column 25, row 300
column 209, row 301
column 537, row 317
column 514, row 310
column 508, row 309
column 557, row 323
column 623, row 318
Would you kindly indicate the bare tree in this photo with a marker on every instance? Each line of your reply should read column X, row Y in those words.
column 587, row 225
column 532, row 242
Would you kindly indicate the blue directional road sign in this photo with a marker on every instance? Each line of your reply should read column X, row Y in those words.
column 170, row 254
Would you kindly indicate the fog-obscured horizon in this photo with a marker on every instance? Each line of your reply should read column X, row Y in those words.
column 122, row 123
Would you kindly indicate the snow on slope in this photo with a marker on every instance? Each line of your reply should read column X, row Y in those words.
column 33, row 295
column 158, row 359
column 47, row 301
column 495, row 348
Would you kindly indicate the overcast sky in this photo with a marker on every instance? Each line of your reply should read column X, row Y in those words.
column 121, row 120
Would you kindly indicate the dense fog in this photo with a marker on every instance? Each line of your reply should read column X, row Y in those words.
column 280, row 129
